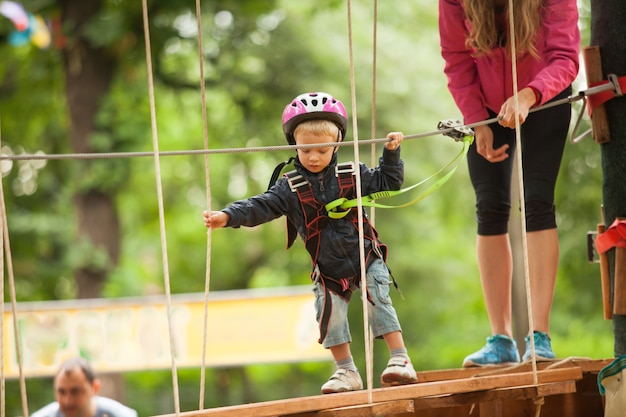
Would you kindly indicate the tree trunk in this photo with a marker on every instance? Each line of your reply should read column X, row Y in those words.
column 608, row 32
column 89, row 71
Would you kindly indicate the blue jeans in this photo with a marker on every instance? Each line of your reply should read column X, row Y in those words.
column 382, row 315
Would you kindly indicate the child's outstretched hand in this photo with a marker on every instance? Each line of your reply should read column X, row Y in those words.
column 215, row 219
column 396, row 138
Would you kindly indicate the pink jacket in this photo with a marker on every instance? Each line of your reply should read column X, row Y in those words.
column 485, row 82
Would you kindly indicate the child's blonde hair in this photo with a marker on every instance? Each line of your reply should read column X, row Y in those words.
column 483, row 36
column 318, row 127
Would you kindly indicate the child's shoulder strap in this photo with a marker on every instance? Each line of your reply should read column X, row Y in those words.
column 345, row 172
column 296, row 180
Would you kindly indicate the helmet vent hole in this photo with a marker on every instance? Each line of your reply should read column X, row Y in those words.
column 314, row 103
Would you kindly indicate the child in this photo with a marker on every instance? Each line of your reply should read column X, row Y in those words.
column 333, row 243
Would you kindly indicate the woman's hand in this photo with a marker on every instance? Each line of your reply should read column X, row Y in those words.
column 525, row 100
column 484, row 145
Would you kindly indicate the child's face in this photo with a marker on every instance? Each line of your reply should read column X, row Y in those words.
column 315, row 159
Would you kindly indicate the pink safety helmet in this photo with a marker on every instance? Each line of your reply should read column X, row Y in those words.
column 311, row 106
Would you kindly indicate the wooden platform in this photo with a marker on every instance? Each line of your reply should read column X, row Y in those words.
column 567, row 388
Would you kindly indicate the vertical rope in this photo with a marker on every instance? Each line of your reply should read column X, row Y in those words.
column 520, row 169
column 370, row 335
column 374, row 64
column 207, row 175
column 5, row 248
column 368, row 345
column 159, row 187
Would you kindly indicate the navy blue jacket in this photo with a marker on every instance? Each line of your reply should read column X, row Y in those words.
column 339, row 242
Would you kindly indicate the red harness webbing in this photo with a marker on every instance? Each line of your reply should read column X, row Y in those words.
column 315, row 219
column 614, row 236
column 598, row 99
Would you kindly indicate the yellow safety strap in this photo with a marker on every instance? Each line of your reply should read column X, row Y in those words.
column 340, row 207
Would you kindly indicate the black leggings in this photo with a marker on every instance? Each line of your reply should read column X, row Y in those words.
column 543, row 136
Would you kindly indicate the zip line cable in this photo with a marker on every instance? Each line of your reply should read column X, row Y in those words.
column 582, row 95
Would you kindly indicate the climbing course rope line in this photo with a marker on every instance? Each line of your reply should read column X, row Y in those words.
column 582, row 95
column 518, row 139
column 374, row 75
column 159, row 187
column 6, row 258
column 368, row 340
column 370, row 335
column 207, row 177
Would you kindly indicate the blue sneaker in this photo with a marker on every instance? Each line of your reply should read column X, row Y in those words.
column 499, row 350
column 543, row 347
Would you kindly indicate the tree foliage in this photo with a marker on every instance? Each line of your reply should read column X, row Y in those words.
column 257, row 56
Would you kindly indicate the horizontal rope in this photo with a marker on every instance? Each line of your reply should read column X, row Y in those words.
column 110, row 155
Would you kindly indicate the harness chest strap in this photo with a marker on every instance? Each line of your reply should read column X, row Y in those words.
column 315, row 214
column 316, row 218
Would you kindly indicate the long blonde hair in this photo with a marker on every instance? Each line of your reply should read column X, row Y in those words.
column 483, row 36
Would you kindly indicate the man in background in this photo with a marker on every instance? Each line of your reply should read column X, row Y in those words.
column 76, row 391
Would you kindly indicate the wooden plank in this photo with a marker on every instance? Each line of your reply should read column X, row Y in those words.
column 462, row 399
column 619, row 290
column 491, row 409
column 370, row 410
column 586, row 364
column 605, row 279
column 501, row 394
column 325, row 402
column 593, row 70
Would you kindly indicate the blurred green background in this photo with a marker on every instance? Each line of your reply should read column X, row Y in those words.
column 258, row 55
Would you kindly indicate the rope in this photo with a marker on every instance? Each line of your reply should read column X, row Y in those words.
column 370, row 339
column 271, row 148
column 207, row 279
column 538, row 401
column 374, row 63
column 5, row 247
column 520, row 176
column 159, row 186
column 368, row 345
column 274, row 148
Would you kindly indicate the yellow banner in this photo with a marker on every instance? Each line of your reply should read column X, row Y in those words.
column 243, row 327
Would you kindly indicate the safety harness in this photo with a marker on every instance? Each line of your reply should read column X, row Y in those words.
column 315, row 219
